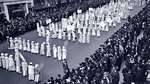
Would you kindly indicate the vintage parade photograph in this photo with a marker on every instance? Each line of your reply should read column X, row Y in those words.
column 74, row 41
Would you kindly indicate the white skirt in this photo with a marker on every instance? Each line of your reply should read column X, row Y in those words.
column 98, row 33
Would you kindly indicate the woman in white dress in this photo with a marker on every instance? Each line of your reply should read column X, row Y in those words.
column 54, row 51
column 107, row 27
column 80, row 37
column 20, row 43
column 3, row 60
column 102, row 23
column 28, row 45
column 7, row 61
column 37, row 48
column 64, row 35
column 98, row 32
column 73, row 36
column 11, row 63
column 59, row 53
column 64, row 53
column 60, row 34
column 42, row 51
column 48, row 53
column 69, row 35
column 88, row 38
column 11, row 43
column 93, row 29
column 32, row 46
column 24, row 45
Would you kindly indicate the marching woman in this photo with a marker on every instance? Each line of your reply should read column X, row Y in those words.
column 93, row 29
column 28, row 46
column 73, row 36
column 20, row 44
column 64, row 53
column 59, row 53
column 48, row 53
column 24, row 45
column 37, row 47
column 42, row 51
column 32, row 47
column 11, row 63
column 88, row 38
column 60, row 33
column 11, row 43
column 54, row 51
column 7, row 61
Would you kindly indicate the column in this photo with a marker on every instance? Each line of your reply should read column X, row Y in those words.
column 26, row 9
column 6, row 11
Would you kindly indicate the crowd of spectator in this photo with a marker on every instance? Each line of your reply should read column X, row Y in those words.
column 124, row 51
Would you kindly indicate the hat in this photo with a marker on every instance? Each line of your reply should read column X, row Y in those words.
column 2, row 53
column 36, row 65
column 6, row 54
column 10, row 55
column 30, row 63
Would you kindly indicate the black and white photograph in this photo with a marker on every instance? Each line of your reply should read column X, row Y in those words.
column 74, row 41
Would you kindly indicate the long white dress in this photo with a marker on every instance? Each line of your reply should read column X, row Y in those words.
column 98, row 33
column 59, row 53
column 73, row 36
column 93, row 30
column 88, row 38
column 43, row 31
column 64, row 35
column 28, row 46
column 24, row 68
column 69, row 36
column 48, row 53
column 37, row 48
column 3, row 61
column 24, row 45
column 42, row 50
column 31, row 72
column 64, row 51
column 54, row 52
column 11, row 44
column 20, row 44
column 47, row 36
column 11, row 64
column 32, row 47
column 103, row 25
column 17, row 60
column 60, row 34
column 7, row 62
column 84, row 38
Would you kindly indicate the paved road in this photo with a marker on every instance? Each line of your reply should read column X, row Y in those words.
column 76, row 54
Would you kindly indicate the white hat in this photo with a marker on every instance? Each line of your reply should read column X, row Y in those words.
column 36, row 65
column 30, row 63
column 10, row 55
column 2, row 53
column 6, row 54
column 79, row 11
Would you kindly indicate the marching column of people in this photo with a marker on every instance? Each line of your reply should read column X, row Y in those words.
column 37, row 48
column 89, row 23
column 123, row 47
column 19, row 64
